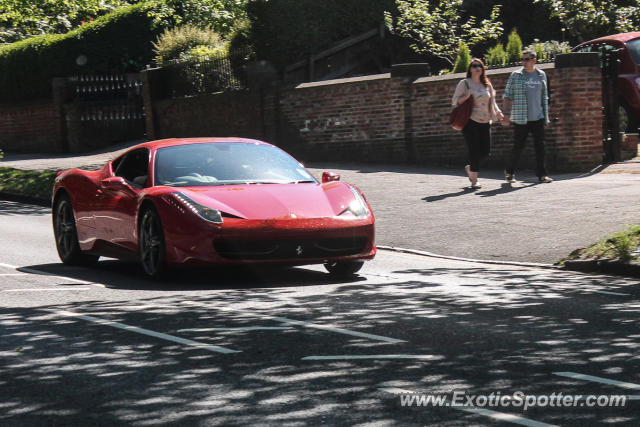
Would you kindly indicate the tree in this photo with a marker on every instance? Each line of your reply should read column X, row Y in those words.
column 514, row 47
column 588, row 19
column 436, row 27
column 463, row 59
column 23, row 18
column 20, row 19
column 496, row 56
column 221, row 15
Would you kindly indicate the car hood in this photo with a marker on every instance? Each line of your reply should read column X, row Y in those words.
column 275, row 201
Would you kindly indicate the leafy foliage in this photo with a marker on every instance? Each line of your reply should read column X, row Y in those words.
column 22, row 18
column 437, row 28
column 547, row 51
column 620, row 245
column 588, row 19
column 463, row 59
column 118, row 42
column 188, row 42
column 514, row 47
column 496, row 56
column 221, row 15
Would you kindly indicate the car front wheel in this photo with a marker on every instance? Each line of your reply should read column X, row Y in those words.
column 343, row 268
column 152, row 246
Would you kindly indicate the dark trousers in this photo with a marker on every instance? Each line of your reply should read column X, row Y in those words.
column 478, row 139
column 520, row 137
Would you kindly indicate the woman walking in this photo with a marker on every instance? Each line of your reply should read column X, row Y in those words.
column 476, row 133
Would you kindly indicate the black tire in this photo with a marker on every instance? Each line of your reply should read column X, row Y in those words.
column 152, row 244
column 627, row 120
column 66, row 234
column 343, row 268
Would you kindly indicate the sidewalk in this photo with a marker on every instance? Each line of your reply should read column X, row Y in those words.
column 433, row 209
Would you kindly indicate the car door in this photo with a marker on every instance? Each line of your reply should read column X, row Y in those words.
column 116, row 215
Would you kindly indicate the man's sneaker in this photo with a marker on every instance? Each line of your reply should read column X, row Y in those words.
column 509, row 177
column 545, row 179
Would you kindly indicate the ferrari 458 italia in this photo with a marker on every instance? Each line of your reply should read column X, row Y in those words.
column 206, row 201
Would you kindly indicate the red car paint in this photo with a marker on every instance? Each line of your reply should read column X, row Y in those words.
column 302, row 218
column 629, row 69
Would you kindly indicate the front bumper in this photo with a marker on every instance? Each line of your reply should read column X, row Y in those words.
column 283, row 241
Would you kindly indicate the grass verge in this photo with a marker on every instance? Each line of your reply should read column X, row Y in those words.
column 622, row 246
column 27, row 182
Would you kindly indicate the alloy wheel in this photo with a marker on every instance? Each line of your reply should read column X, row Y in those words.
column 151, row 244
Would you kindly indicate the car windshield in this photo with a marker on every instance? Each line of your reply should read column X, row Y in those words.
column 634, row 49
column 223, row 163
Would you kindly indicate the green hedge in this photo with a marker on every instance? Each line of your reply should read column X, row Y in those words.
column 117, row 42
column 284, row 31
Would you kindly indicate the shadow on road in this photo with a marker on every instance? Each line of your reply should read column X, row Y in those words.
column 9, row 208
column 129, row 276
column 485, row 331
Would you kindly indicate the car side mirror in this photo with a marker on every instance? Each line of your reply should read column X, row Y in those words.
column 329, row 177
column 113, row 183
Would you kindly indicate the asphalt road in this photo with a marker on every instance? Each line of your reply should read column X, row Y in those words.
column 105, row 346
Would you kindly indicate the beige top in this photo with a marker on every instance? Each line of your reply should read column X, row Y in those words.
column 485, row 108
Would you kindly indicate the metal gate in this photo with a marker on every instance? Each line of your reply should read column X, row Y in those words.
column 102, row 110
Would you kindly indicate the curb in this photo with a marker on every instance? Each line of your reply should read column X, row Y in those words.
column 480, row 261
column 604, row 266
column 21, row 198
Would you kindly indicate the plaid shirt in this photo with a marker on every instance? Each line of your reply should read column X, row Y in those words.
column 517, row 92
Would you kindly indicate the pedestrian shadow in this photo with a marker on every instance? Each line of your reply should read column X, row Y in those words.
column 465, row 190
column 504, row 189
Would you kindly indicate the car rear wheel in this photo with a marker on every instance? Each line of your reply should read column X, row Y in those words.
column 343, row 268
column 66, row 234
column 152, row 246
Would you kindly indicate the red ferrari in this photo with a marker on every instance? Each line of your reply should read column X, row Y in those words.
column 202, row 201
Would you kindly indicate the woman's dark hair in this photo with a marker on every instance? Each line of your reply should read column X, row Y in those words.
column 483, row 77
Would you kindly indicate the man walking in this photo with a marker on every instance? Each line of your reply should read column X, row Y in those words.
column 527, row 99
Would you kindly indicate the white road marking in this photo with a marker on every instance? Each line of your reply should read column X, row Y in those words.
column 500, row 416
column 75, row 288
column 337, row 330
column 374, row 356
column 44, row 273
column 577, row 376
column 611, row 293
column 148, row 332
column 305, row 324
column 247, row 328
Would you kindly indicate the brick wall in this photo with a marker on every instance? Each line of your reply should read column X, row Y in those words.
column 30, row 127
column 368, row 119
column 356, row 118
column 223, row 114
column 384, row 119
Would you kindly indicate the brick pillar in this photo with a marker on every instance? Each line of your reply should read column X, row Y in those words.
column 151, row 93
column 576, row 112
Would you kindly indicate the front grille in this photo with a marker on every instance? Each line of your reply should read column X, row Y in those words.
column 290, row 249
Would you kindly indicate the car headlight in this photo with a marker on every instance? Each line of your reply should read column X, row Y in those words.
column 206, row 213
column 358, row 207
